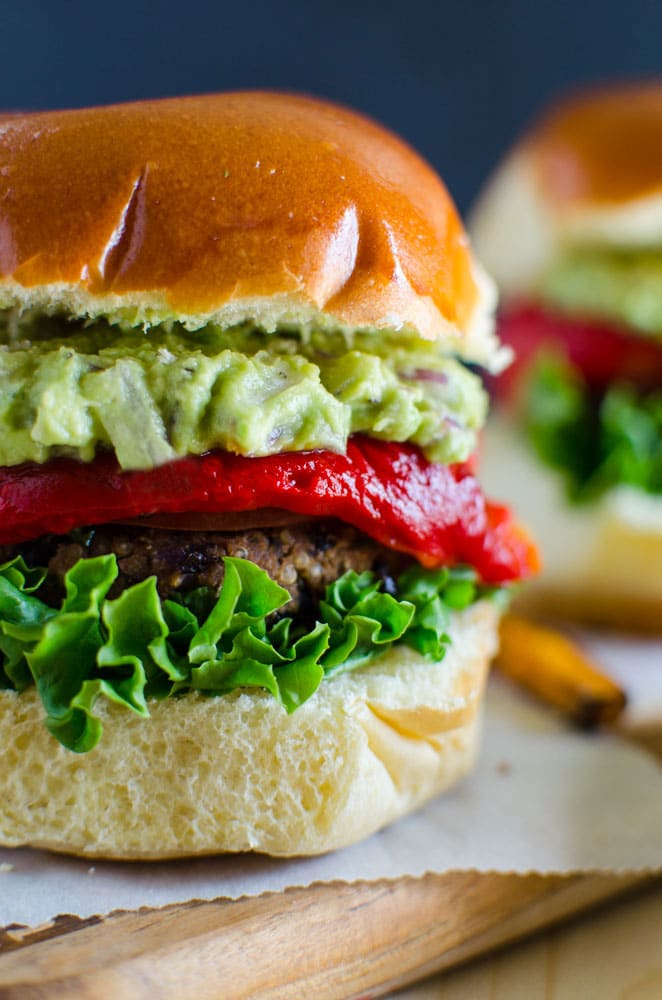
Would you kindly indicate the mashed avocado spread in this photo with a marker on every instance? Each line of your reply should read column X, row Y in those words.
column 70, row 388
column 622, row 286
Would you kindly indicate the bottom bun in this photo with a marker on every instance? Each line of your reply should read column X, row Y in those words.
column 601, row 560
column 236, row 773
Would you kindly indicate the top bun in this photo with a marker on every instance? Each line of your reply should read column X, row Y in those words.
column 260, row 207
column 588, row 173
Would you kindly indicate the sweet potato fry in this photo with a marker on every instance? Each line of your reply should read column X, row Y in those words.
column 554, row 668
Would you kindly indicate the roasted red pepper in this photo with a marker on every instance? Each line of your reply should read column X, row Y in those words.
column 390, row 491
column 602, row 353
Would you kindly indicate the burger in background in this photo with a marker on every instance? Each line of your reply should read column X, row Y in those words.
column 249, row 580
column 571, row 228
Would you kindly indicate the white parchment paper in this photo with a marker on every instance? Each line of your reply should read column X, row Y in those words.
column 544, row 798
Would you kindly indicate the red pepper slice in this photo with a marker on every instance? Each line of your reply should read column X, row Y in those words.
column 603, row 353
column 390, row 491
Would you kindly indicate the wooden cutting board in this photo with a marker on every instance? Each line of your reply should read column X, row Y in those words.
column 326, row 941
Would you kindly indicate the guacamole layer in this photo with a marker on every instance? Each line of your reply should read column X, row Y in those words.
column 155, row 395
column 624, row 287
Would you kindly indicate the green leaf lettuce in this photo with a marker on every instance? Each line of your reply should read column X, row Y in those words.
column 139, row 646
column 597, row 440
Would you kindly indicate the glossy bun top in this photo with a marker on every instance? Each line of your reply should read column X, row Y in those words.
column 228, row 207
column 604, row 145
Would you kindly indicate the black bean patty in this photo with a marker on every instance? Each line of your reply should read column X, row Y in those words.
column 303, row 558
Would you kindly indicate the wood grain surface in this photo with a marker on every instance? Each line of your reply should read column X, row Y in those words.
column 611, row 954
column 327, row 941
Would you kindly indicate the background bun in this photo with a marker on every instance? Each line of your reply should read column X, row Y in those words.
column 602, row 147
column 237, row 773
column 588, row 173
column 601, row 561
column 198, row 209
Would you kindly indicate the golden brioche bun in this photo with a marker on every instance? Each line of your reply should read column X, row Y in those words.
column 588, row 173
column 236, row 773
column 601, row 147
column 261, row 207
column 601, row 561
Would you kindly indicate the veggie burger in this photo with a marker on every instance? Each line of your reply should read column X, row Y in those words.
column 571, row 227
column 249, row 583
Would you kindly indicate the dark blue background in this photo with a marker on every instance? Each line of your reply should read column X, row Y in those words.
column 458, row 80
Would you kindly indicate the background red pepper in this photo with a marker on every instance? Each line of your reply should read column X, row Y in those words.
column 602, row 353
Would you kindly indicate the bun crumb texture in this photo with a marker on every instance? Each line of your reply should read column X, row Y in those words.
column 236, row 773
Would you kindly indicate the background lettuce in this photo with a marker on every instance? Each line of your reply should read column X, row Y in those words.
column 597, row 440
